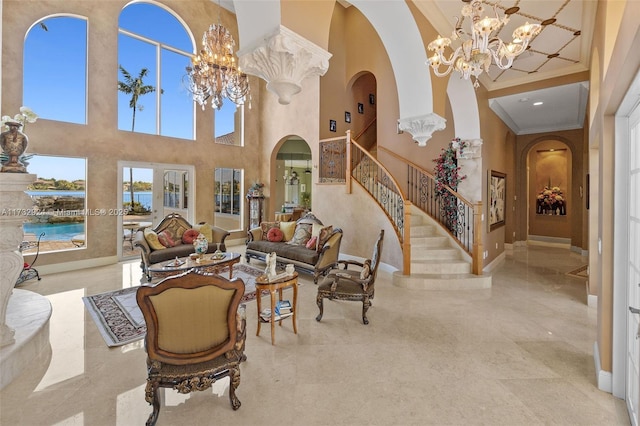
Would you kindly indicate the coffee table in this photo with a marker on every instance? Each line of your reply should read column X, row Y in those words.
column 263, row 283
column 208, row 264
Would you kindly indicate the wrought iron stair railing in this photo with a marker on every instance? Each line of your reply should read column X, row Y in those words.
column 461, row 218
column 343, row 156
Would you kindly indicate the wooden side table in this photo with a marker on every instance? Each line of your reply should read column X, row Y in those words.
column 262, row 283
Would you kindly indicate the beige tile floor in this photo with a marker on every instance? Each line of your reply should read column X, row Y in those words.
column 519, row 353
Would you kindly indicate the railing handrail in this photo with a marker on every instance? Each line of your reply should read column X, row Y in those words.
column 472, row 246
column 420, row 169
column 362, row 132
column 379, row 164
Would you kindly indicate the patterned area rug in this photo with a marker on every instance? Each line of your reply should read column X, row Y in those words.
column 120, row 321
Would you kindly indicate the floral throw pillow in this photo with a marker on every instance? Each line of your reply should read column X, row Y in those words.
column 166, row 239
column 323, row 236
column 301, row 235
column 175, row 229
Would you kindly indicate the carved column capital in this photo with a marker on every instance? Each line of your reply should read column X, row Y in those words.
column 467, row 149
column 422, row 127
column 283, row 59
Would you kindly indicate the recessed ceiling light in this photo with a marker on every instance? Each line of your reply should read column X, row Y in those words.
column 538, row 103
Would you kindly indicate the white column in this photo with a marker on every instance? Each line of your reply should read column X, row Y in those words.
column 469, row 155
column 15, row 203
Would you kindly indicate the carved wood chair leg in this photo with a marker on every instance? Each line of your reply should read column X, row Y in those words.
column 320, row 306
column 153, row 397
column 234, row 383
column 365, row 307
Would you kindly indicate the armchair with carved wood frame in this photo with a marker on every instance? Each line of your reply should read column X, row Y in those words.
column 355, row 284
column 195, row 334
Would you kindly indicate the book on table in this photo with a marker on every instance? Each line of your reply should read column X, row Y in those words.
column 282, row 310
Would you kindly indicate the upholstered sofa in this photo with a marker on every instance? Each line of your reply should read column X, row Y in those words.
column 173, row 237
column 306, row 243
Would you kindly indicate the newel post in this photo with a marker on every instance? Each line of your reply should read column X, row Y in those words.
column 477, row 239
column 347, row 170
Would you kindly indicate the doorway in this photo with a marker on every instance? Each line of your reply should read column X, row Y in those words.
column 626, row 303
column 156, row 190
column 293, row 191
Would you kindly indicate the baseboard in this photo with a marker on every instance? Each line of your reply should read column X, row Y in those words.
column 78, row 264
column 540, row 240
column 382, row 266
column 580, row 251
column 604, row 378
column 495, row 263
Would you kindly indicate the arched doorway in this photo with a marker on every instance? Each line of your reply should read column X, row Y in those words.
column 293, row 183
column 550, row 170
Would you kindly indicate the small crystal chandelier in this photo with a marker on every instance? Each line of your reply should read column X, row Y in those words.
column 213, row 72
column 475, row 54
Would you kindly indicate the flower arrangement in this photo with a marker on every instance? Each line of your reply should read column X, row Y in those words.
column 256, row 188
column 551, row 201
column 447, row 176
column 257, row 185
column 26, row 115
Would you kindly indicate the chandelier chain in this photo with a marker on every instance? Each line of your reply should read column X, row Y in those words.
column 213, row 72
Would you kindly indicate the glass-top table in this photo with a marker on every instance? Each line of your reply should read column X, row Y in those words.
column 209, row 263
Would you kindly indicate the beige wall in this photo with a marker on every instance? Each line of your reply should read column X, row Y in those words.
column 99, row 141
column 615, row 62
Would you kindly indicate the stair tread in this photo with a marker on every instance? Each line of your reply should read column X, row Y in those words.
column 448, row 276
column 430, row 261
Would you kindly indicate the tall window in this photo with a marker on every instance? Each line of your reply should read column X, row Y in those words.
column 150, row 38
column 228, row 191
column 55, row 69
column 225, row 131
column 59, row 197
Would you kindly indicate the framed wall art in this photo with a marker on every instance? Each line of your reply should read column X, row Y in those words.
column 347, row 117
column 360, row 108
column 497, row 197
column 332, row 125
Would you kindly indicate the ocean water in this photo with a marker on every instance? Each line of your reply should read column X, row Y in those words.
column 142, row 197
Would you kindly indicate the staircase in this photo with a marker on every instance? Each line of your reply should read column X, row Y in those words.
column 437, row 262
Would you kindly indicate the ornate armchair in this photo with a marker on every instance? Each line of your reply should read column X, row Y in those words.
column 195, row 334
column 356, row 284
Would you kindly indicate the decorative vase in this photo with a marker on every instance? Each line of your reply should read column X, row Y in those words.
column 14, row 144
column 201, row 245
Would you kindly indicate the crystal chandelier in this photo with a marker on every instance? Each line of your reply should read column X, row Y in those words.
column 475, row 54
column 213, row 72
